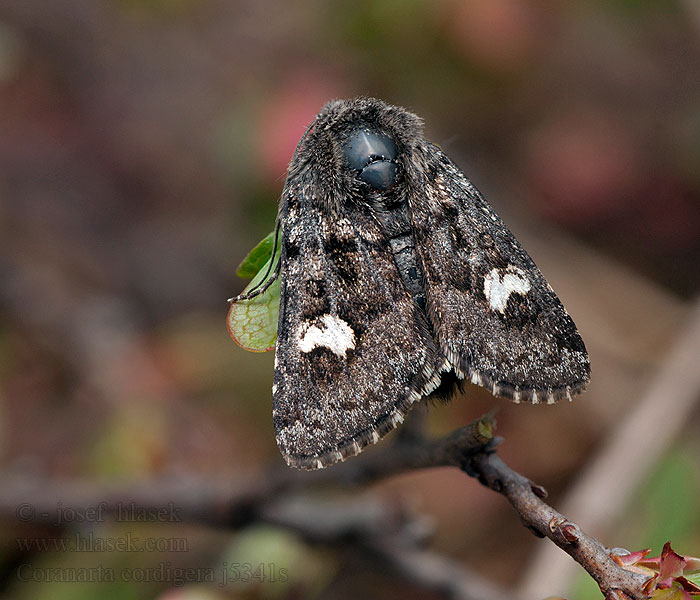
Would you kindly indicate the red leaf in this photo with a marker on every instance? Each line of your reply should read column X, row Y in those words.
column 672, row 564
column 627, row 560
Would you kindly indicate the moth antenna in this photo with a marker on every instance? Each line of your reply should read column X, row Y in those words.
column 264, row 282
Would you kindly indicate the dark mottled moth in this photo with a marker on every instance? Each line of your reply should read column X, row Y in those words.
column 398, row 280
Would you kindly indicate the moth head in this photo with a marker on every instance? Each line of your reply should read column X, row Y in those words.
column 357, row 150
column 373, row 156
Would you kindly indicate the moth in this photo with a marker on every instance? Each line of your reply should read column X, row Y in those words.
column 398, row 281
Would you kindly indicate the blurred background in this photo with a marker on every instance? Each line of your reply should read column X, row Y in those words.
column 143, row 148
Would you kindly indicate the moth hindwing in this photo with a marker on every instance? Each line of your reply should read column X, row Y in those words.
column 396, row 279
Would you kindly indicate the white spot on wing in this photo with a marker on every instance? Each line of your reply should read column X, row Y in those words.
column 498, row 289
column 332, row 333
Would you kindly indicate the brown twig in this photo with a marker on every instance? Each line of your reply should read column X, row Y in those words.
column 235, row 504
column 607, row 484
column 277, row 500
column 540, row 518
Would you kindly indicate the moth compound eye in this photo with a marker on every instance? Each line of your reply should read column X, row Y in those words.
column 373, row 155
column 364, row 147
column 380, row 174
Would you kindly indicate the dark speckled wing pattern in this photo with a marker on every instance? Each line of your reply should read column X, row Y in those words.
column 343, row 313
column 495, row 317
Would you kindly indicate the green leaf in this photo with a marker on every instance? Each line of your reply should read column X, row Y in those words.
column 253, row 323
column 256, row 258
